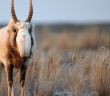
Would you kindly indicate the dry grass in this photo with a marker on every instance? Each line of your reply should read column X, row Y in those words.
column 100, row 72
column 83, row 73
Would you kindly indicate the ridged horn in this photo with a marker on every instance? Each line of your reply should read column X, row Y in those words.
column 13, row 14
column 30, row 12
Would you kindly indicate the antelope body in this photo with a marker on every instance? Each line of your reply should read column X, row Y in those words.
column 17, row 45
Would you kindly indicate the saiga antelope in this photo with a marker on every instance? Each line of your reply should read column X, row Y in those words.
column 17, row 45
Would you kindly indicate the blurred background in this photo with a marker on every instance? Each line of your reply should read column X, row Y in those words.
column 73, row 41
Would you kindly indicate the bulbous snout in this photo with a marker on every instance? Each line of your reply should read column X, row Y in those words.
column 24, row 44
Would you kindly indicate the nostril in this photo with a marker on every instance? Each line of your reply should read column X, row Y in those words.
column 23, row 38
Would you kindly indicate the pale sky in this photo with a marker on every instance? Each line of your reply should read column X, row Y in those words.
column 58, row 11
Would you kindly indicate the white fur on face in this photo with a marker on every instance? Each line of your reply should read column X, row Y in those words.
column 23, row 39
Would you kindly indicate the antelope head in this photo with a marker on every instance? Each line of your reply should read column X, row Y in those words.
column 21, row 32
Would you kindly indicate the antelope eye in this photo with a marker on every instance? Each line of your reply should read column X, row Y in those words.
column 30, row 29
column 14, row 30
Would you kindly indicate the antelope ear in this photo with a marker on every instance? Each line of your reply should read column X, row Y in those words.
column 33, row 27
column 10, row 24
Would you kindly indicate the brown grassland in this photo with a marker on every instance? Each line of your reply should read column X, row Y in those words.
column 68, row 62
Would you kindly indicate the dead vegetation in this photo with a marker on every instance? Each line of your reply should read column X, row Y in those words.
column 68, row 64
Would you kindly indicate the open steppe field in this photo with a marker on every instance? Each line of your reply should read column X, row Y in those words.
column 70, row 61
